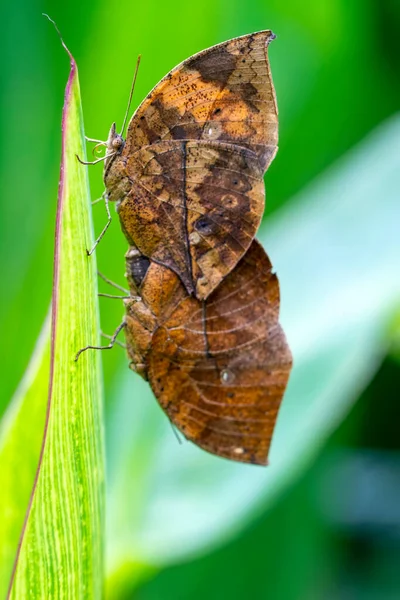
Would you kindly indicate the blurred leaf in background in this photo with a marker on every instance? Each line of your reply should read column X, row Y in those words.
column 21, row 437
column 335, row 68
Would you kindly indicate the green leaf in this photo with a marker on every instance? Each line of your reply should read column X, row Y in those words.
column 59, row 493
column 336, row 249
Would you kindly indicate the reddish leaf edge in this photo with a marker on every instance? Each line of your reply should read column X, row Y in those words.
column 55, row 294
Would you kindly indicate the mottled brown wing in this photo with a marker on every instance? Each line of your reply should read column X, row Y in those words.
column 195, row 208
column 219, row 368
column 224, row 93
column 189, row 178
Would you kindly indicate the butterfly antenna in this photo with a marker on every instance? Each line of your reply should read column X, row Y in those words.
column 175, row 432
column 131, row 94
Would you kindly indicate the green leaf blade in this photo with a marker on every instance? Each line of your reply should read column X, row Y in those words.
column 61, row 546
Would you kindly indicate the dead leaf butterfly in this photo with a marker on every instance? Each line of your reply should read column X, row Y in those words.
column 219, row 367
column 188, row 179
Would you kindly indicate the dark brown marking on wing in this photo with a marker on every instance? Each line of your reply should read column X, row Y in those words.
column 216, row 65
column 249, row 92
column 170, row 118
column 185, row 215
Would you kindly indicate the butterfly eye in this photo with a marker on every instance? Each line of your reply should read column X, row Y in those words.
column 117, row 142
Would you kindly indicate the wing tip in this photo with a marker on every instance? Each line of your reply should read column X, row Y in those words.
column 235, row 453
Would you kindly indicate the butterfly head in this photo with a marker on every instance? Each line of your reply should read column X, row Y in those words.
column 115, row 143
column 114, row 168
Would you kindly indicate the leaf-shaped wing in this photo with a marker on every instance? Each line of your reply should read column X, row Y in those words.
column 195, row 208
column 224, row 93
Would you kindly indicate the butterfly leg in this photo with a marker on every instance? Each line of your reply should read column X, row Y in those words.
column 88, row 139
column 101, row 199
column 110, row 337
column 113, row 341
column 118, row 287
column 115, row 296
column 89, row 252
column 94, row 162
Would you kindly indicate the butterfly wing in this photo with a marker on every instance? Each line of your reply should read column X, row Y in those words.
column 195, row 208
column 219, row 368
column 195, row 154
column 224, row 93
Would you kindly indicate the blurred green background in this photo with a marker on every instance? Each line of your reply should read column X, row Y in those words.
column 329, row 526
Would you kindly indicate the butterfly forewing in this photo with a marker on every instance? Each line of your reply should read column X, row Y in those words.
column 225, row 92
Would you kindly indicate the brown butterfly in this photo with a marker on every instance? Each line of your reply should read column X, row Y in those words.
column 188, row 180
column 219, row 367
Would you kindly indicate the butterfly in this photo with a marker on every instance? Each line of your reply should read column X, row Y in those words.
column 219, row 367
column 188, row 178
